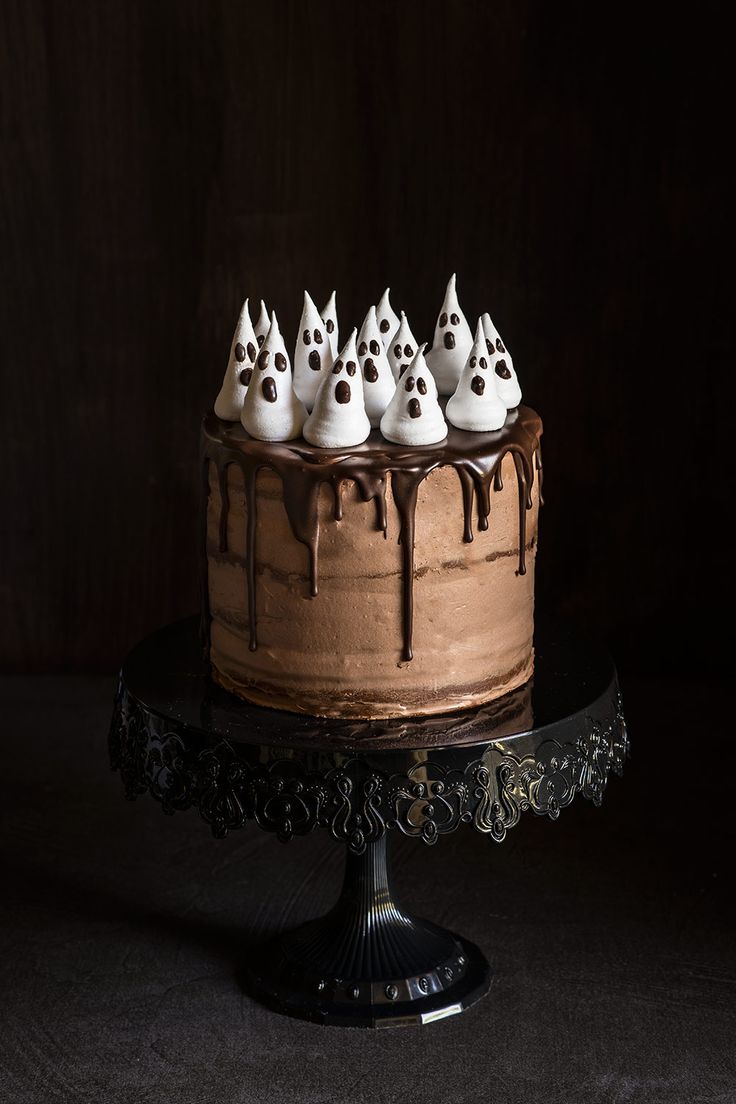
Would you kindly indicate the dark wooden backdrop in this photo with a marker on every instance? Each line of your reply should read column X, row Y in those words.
column 161, row 160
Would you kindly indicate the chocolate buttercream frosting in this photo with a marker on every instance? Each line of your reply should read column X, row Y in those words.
column 303, row 468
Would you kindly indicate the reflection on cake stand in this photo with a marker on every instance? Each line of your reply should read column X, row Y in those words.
column 179, row 737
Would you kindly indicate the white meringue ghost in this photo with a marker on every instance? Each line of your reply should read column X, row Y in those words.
column 388, row 321
column 313, row 355
column 229, row 402
column 475, row 405
column 271, row 410
column 263, row 324
column 339, row 419
column 414, row 417
column 329, row 317
column 402, row 348
column 507, row 383
column 452, row 342
column 406, row 364
column 378, row 379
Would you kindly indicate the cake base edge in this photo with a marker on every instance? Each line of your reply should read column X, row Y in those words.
column 358, row 709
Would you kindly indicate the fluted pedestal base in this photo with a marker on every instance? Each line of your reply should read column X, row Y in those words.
column 367, row 963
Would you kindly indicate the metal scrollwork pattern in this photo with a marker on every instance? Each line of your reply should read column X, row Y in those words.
column 354, row 801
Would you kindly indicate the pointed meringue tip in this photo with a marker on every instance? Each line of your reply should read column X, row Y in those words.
column 353, row 332
column 479, row 331
column 452, row 281
column 264, row 308
column 308, row 300
column 403, row 316
column 420, row 350
column 274, row 322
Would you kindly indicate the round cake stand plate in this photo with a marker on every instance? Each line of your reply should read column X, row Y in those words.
column 179, row 737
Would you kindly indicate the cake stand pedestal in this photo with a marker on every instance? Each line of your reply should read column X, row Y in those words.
column 368, row 963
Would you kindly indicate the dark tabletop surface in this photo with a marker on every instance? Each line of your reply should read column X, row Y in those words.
column 611, row 933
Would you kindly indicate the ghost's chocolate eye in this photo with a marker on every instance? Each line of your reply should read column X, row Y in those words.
column 483, row 363
column 307, row 337
column 350, row 367
column 409, row 385
column 408, row 351
column 240, row 352
column 489, row 347
column 315, row 361
column 375, row 347
column 502, row 370
column 499, row 345
column 478, row 384
column 246, row 374
column 330, row 326
column 318, row 336
column 397, row 351
column 449, row 340
column 414, row 408
column 280, row 361
column 337, row 368
column 370, row 371
column 385, row 325
column 422, row 385
column 263, row 358
column 268, row 387
column 473, row 361
column 402, row 369
column 342, row 392
column 454, row 318
column 443, row 320
column 251, row 352
column 362, row 349
column 260, row 339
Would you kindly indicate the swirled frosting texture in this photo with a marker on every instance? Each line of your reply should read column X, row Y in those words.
column 375, row 581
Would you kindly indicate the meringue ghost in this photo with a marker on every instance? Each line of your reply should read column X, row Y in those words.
column 507, row 383
column 271, row 410
column 339, row 419
column 229, row 402
column 414, row 417
column 313, row 355
column 452, row 342
column 263, row 324
column 329, row 317
column 402, row 348
column 388, row 322
column 409, row 351
column 378, row 379
column 475, row 404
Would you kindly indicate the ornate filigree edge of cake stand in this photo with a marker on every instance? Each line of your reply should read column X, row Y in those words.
column 178, row 737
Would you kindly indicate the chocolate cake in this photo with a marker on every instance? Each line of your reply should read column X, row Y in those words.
column 361, row 556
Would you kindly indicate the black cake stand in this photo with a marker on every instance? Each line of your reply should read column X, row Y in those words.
column 179, row 737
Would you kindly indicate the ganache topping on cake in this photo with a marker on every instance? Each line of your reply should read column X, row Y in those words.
column 381, row 377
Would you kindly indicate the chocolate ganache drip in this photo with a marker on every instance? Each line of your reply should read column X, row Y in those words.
column 303, row 468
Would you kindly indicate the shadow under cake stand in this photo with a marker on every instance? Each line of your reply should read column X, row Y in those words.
column 369, row 963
